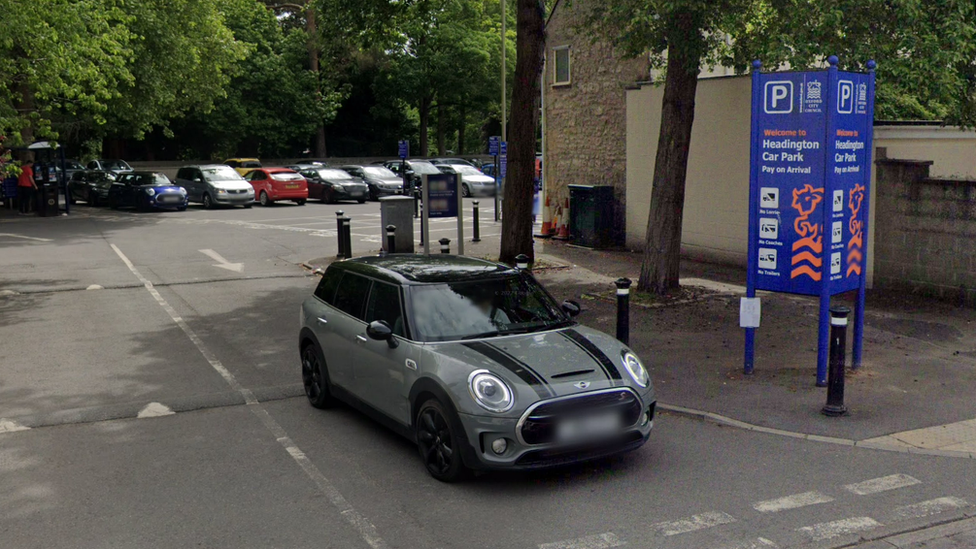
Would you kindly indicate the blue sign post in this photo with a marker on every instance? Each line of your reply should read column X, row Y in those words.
column 442, row 199
column 493, row 142
column 403, row 146
column 808, row 196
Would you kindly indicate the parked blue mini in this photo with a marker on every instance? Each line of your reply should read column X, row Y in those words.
column 146, row 191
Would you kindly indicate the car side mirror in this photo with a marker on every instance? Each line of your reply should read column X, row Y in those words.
column 381, row 331
column 572, row 308
column 197, row 180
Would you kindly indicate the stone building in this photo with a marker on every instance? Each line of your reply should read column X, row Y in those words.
column 585, row 112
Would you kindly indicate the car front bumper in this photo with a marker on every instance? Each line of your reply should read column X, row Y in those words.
column 482, row 430
column 357, row 192
column 234, row 199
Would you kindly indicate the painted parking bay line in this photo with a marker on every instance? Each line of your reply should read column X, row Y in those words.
column 930, row 507
column 758, row 543
column 791, row 502
column 693, row 523
column 34, row 238
column 599, row 541
column 883, row 484
column 827, row 530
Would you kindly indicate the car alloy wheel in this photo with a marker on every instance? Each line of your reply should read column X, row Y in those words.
column 438, row 444
column 314, row 378
column 208, row 202
column 465, row 191
column 265, row 201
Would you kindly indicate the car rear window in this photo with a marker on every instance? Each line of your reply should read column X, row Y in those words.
column 334, row 174
column 250, row 164
column 286, row 176
column 351, row 294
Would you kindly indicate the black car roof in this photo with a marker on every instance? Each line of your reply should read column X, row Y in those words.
column 422, row 269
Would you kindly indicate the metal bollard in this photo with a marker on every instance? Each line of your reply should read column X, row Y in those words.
column 346, row 237
column 445, row 245
column 477, row 228
column 522, row 262
column 391, row 239
column 838, row 351
column 416, row 202
column 339, row 214
column 623, row 310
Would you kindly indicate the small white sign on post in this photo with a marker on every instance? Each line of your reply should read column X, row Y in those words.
column 750, row 312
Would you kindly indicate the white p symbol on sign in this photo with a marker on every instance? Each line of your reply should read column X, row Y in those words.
column 845, row 97
column 779, row 97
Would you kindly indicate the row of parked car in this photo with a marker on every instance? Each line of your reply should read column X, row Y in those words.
column 244, row 181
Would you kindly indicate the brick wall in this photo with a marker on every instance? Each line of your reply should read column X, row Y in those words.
column 925, row 232
column 586, row 126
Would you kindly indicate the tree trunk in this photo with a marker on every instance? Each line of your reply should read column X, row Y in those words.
column 463, row 115
column 524, row 124
column 311, row 27
column 424, row 123
column 440, row 129
column 662, row 249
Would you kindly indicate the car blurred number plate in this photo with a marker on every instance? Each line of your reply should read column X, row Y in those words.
column 295, row 186
column 588, row 427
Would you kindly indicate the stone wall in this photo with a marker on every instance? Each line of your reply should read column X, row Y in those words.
column 925, row 231
column 586, row 127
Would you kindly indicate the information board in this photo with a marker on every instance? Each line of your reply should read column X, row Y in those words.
column 403, row 146
column 493, row 142
column 808, row 196
column 503, row 160
column 442, row 195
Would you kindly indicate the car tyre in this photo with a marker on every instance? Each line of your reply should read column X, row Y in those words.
column 264, row 200
column 208, row 202
column 300, row 202
column 315, row 378
column 93, row 199
column 440, row 449
column 465, row 191
column 330, row 197
column 361, row 200
column 373, row 195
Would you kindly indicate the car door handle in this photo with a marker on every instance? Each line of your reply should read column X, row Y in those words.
column 322, row 320
column 361, row 338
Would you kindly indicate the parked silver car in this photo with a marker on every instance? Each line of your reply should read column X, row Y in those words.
column 472, row 360
column 215, row 184
column 473, row 182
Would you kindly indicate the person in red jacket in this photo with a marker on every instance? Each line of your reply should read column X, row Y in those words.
column 26, row 187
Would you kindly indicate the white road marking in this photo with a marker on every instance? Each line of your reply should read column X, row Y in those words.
column 599, row 541
column 791, row 502
column 827, row 530
column 223, row 263
column 12, row 235
column 11, row 426
column 690, row 524
column 759, row 543
column 360, row 523
column 930, row 507
column 95, row 287
column 155, row 409
column 883, row 484
column 8, row 292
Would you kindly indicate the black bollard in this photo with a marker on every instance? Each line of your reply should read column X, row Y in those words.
column 445, row 245
column 838, row 351
column 623, row 310
column 477, row 228
column 339, row 214
column 391, row 239
column 346, row 237
column 416, row 202
column 522, row 262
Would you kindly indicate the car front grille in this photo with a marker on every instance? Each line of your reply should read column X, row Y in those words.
column 539, row 425
column 237, row 191
column 562, row 455
column 172, row 198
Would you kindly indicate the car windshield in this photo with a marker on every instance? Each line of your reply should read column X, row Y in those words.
column 251, row 164
column 72, row 165
column 482, row 308
column 221, row 173
column 157, row 179
column 286, row 176
column 379, row 173
column 464, row 169
column 421, row 168
column 334, row 174
column 116, row 165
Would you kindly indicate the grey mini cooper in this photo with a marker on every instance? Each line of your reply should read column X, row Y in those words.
column 472, row 360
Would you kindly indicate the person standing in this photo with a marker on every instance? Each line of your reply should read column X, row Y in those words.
column 26, row 187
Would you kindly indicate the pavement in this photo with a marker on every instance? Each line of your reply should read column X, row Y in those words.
column 150, row 397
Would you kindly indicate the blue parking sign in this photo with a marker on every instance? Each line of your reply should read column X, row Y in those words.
column 493, row 145
column 404, row 148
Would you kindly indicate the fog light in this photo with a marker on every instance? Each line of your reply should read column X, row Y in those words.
column 499, row 445
column 645, row 418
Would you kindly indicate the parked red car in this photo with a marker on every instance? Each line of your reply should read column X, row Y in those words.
column 274, row 184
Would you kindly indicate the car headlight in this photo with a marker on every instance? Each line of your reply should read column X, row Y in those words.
column 182, row 190
column 490, row 392
column 635, row 368
column 221, row 191
column 151, row 192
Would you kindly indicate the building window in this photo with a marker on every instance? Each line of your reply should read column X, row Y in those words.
column 560, row 66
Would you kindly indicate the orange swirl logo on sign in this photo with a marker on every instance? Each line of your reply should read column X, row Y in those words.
column 855, row 247
column 807, row 250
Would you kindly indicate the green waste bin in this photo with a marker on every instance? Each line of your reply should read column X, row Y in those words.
column 591, row 215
